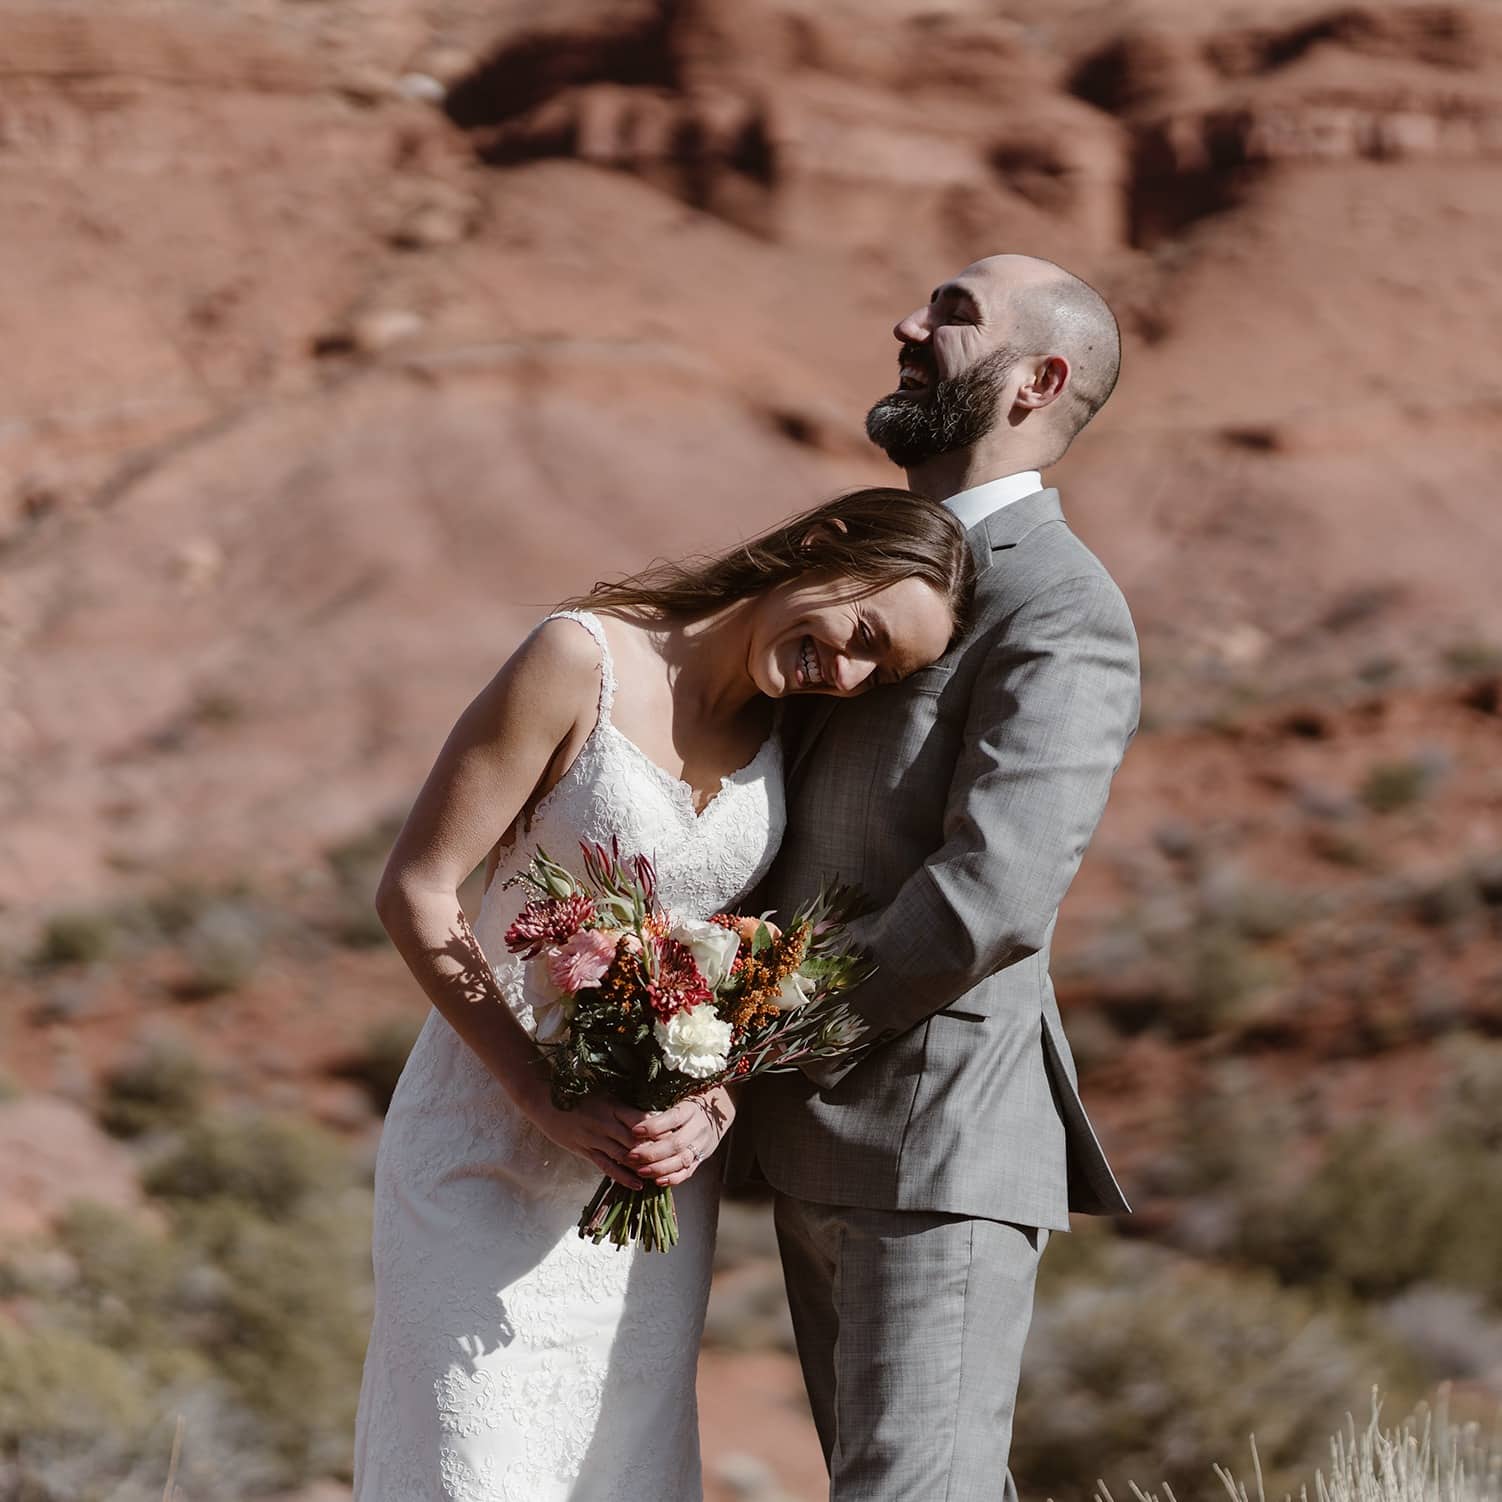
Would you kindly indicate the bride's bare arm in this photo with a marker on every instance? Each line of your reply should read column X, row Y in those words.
column 508, row 746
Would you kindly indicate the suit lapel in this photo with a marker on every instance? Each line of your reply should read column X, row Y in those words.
column 809, row 723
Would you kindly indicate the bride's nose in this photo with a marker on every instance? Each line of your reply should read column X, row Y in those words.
column 851, row 673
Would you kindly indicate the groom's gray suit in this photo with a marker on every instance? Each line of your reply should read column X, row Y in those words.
column 916, row 1188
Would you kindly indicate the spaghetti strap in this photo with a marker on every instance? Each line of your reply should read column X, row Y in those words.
column 591, row 624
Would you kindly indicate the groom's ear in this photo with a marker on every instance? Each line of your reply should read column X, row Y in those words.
column 1045, row 382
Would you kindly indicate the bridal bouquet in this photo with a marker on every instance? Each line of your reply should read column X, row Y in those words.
column 632, row 1002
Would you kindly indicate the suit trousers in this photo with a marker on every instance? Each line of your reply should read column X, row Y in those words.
column 910, row 1327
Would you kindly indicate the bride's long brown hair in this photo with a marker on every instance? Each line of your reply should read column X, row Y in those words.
column 873, row 537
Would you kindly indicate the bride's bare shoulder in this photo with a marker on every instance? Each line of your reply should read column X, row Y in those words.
column 558, row 663
column 562, row 645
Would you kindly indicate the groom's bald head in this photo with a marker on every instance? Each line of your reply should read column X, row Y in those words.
column 1053, row 311
column 1012, row 339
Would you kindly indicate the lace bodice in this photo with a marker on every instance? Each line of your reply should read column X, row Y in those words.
column 509, row 1360
column 705, row 859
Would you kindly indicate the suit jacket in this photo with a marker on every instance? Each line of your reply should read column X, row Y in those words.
column 961, row 800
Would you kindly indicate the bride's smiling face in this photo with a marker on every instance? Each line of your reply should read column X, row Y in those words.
column 821, row 635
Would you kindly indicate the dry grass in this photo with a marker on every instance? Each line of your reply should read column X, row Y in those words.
column 1426, row 1458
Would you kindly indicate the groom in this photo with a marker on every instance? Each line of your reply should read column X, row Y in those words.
column 916, row 1188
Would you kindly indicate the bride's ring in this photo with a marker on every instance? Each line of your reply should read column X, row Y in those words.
column 695, row 1151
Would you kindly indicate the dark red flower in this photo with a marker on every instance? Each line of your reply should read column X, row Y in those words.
column 677, row 983
column 548, row 921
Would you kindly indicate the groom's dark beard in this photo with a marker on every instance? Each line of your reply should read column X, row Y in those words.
column 912, row 426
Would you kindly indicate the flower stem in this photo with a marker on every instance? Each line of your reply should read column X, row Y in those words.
column 643, row 1217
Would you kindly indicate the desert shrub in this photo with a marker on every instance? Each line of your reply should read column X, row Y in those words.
column 1340, row 847
column 173, row 909
column 1384, row 1210
column 358, row 926
column 1234, row 1149
column 64, row 1400
column 276, row 1168
column 1225, row 971
column 1158, row 1367
column 1468, row 658
column 1195, row 960
column 1426, row 1458
column 379, row 1064
column 1470, row 1111
column 161, row 1087
column 1381, row 1209
column 75, row 938
column 1393, row 785
column 252, row 1327
column 1448, row 901
column 222, row 948
column 131, row 1294
column 286, row 1315
column 356, row 865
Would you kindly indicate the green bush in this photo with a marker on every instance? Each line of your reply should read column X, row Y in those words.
column 356, row 866
column 76, row 938
column 276, row 1168
column 1470, row 1112
column 162, row 1087
column 1225, row 971
column 1161, row 1368
column 288, row 1320
column 73, row 1416
column 252, row 1325
column 1384, row 1210
column 1468, row 658
column 222, row 947
column 379, row 1065
column 1394, row 785
column 176, row 907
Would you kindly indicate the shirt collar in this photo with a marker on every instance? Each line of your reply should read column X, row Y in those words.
column 973, row 506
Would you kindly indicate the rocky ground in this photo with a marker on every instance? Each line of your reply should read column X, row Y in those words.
column 344, row 339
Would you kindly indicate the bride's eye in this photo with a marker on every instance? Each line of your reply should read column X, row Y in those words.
column 867, row 635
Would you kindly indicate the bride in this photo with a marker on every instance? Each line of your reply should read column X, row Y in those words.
column 509, row 1360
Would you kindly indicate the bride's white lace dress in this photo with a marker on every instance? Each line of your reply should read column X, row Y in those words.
column 509, row 1360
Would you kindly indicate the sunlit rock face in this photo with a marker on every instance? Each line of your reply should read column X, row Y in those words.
column 342, row 341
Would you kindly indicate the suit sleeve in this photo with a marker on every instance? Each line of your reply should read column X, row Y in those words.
column 1050, row 716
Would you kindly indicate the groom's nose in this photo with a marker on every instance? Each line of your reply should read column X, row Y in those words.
column 912, row 329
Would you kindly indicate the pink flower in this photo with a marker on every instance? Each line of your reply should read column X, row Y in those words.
column 583, row 961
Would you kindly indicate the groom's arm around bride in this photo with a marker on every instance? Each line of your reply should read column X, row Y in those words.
column 916, row 1187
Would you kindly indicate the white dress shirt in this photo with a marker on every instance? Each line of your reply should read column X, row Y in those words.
column 973, row 506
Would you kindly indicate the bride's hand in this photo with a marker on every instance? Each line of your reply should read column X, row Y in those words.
column 598, row 1129
column 671, row 1144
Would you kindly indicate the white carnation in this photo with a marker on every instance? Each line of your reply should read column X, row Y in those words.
column 713, row 948
column 796, row 991
column 695, row 1042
